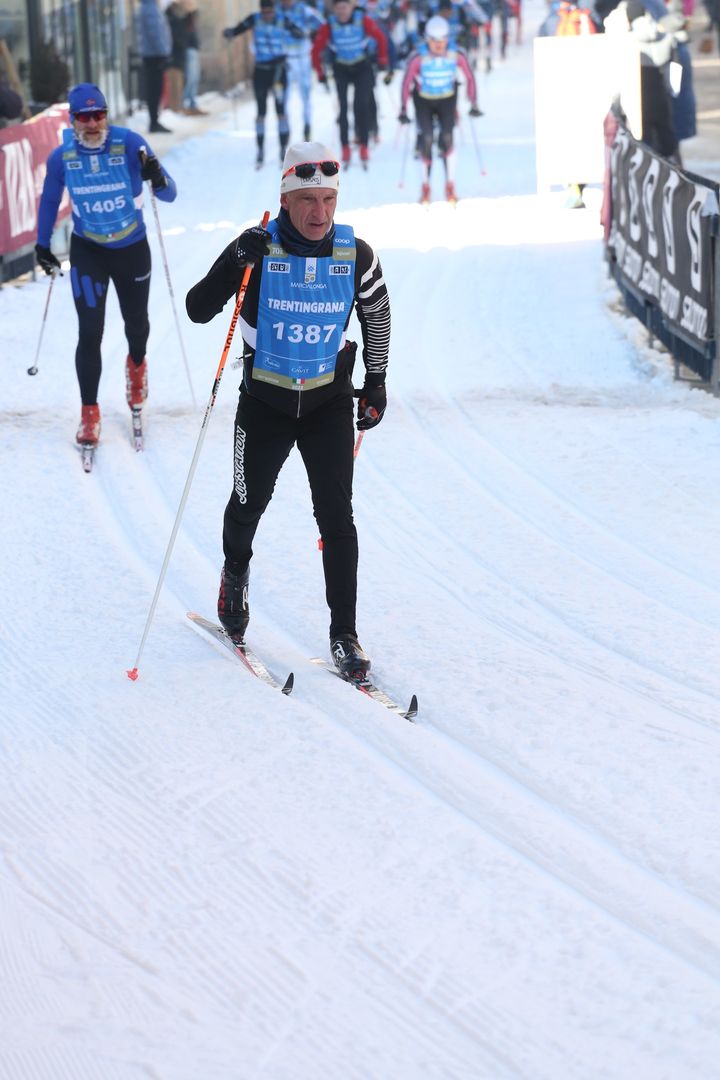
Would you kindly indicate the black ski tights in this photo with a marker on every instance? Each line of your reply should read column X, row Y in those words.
column 325, row 438
column 92, row 267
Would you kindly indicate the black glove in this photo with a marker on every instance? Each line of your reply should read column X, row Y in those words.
column 46, row 259
column 371, row 406
column 151, row 169
column 251, row 246
column 388, row 77
column 229, row 32
column 475, row 111
column 403, row 118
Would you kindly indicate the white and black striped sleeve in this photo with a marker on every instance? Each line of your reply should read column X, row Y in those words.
column 373, row 312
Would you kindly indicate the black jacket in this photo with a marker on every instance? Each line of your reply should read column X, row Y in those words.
column 372, row 307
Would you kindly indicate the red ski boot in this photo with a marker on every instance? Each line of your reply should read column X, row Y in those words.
column 136, row 383
column 450, row 193
column 364, row 155
column 346, row 155
column 425, row 194
column 88, row 434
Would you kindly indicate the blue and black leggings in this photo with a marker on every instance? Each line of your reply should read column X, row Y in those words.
column 92, row 268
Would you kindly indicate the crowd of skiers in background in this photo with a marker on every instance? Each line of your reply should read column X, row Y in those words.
column 434, row 47
column 435, row 43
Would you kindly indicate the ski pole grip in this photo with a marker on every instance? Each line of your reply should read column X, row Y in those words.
column 238, row 306
column 369, row 412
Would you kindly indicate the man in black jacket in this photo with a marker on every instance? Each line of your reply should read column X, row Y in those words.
column 308, row 275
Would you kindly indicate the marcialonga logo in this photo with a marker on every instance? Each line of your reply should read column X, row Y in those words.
column 310, row 270
column 278, row 267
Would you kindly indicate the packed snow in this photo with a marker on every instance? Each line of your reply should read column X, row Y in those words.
column 202, row 879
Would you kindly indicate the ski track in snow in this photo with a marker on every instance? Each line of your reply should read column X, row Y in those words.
column 201, row 878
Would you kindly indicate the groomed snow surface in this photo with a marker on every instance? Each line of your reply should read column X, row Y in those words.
column 204, row 880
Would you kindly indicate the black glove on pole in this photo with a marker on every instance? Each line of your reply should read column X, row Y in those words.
column 250, row 247
column 151, row 169
column 46, row 259
column 133, row 672
column 372, row 402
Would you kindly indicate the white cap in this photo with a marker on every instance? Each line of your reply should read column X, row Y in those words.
column 301, row 154
column 437, row 28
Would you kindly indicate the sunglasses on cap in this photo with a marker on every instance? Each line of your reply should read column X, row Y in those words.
column 86, row 117
column 309, row 168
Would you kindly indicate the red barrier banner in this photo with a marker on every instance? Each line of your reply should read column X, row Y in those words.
column 24, row 150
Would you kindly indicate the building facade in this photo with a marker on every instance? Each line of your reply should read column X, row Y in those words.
column 52, row 44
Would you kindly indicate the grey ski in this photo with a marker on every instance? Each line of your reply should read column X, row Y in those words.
column 137, row 428
column 243, row 652
column 368, row 687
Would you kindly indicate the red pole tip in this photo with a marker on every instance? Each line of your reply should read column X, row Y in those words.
column 320, row 544
column 133, row 674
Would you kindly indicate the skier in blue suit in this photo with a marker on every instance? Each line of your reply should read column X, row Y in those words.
column 103, row 168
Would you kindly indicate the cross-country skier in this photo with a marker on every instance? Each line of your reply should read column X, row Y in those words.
column 305, row 19
column 270, row 33
column 346, row 35
column 103, row 168
column 308, row 275
column 431, row 75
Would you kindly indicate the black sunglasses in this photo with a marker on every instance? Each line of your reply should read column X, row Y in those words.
column 86, row 117
column 309, row 168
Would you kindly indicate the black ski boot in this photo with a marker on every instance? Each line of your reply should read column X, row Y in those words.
column 349, row 656
column 233, row 608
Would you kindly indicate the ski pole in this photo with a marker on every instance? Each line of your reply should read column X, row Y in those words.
column 371, row 412
column 153, row 200
column 476, row 144
column 231, row 80
column 34, row 369
column 133, row 672
column 406, row 141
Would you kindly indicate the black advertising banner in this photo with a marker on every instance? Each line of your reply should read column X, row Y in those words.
column 661, row 236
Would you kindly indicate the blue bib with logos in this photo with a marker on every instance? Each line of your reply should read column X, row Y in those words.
column 269, row 38
column 304, row 305
column 304, row 18
column 438, row 74
column 100, row 188
column 349, row 41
